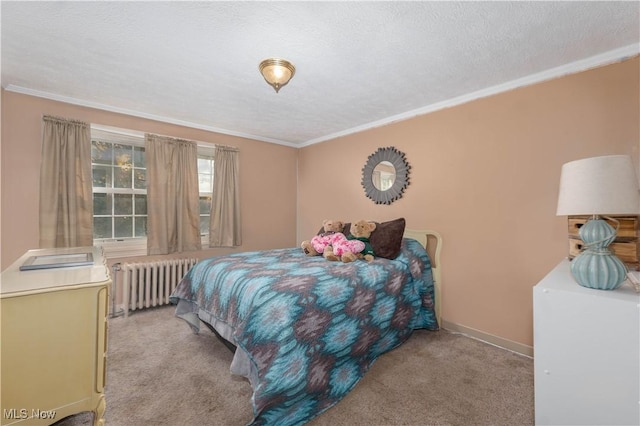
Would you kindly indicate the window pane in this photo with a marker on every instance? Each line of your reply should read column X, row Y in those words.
column 101, row 204
column 102, row 176
column 123, row 155
column 102, row 227
column 140, row 178
column 204, row 224
column 205, row 205
column 141, row 227
column 101, row 152
column 122, row 177
column 123, row 204
column 141, row 204
column 204, row 165
column 205, row 183
column 123, row 227
column 139, row 159
column 205, row 174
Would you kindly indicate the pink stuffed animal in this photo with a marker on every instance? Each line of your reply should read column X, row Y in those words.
column 343, row 246
column 332, row 230
column 355, row 246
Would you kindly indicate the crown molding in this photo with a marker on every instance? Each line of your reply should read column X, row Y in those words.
column 612, row 56
column 109, row 108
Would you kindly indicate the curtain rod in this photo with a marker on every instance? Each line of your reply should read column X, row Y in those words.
column 136, row 133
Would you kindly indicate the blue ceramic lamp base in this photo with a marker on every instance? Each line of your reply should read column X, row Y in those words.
column 597, row 267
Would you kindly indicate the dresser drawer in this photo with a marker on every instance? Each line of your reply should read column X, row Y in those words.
column 627, row 251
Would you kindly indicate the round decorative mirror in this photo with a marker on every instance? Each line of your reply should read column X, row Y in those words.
column 385, row 175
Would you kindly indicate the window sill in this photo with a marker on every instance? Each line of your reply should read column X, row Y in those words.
column 127, row 248
column 131, row 248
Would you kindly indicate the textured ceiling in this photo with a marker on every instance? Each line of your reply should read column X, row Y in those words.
column 359, row 64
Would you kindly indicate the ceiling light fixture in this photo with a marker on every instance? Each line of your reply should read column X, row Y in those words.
column 277, row 72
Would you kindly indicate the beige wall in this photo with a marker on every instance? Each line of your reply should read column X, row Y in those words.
column 485, row 174
column 262, row 183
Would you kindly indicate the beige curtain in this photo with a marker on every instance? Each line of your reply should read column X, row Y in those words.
column 66, row 198
column 225, row 228
column 172, row 195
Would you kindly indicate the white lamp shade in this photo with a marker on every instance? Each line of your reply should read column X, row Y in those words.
column 599, row 185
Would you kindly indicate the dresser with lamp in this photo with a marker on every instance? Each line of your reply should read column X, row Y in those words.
column 587, row 309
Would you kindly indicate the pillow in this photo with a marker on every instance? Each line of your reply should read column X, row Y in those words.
column 386, row 239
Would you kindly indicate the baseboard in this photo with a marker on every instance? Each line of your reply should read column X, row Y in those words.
column 119, row 311
column 503, row 343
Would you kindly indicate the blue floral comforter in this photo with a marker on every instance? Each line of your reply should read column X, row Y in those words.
column 310, row 327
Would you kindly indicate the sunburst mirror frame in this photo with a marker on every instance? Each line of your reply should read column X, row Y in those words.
column 402, row 168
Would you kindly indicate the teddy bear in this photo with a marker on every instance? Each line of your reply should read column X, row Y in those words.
column 317, row 245
column 360, row 232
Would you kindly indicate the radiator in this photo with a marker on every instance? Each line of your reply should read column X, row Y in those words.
column 150, row 284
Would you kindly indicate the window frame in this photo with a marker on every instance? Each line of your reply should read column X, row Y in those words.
column 135, row 246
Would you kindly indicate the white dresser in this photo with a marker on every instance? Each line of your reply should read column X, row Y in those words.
column 53, row 325
column 586, row 352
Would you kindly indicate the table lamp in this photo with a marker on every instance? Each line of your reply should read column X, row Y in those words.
column 598, row 186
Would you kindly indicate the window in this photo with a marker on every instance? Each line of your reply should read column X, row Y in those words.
column 120, row 190
column 205, row 183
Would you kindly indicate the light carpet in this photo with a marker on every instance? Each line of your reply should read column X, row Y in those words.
column 160, row 373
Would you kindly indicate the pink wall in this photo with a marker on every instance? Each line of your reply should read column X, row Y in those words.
column 262, row 183
column 485, row 174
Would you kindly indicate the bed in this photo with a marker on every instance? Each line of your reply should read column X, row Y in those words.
column 305, row 330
